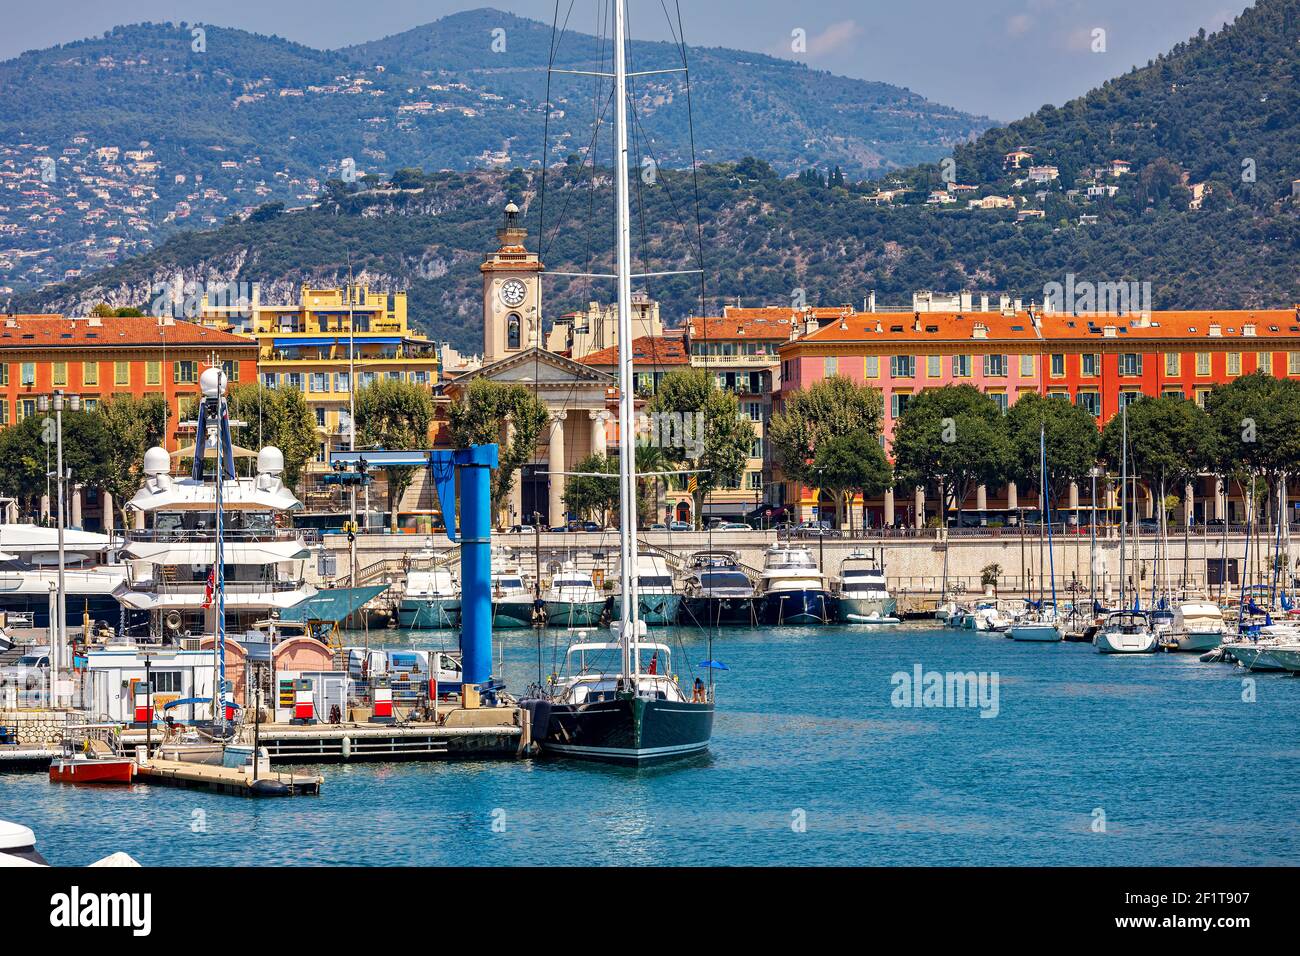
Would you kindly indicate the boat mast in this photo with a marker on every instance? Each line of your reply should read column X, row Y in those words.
column 1123, row 505
column 628, row 637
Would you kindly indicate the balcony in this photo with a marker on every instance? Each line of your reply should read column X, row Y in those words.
column 734, row 361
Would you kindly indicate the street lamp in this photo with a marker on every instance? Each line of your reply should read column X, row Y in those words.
column 58, row 634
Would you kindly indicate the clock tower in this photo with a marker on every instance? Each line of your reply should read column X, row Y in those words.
column 512, row 293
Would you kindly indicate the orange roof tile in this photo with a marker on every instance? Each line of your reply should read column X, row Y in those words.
column 646, row 350
column 765, row 322
column 56, row 331
column 885, row 327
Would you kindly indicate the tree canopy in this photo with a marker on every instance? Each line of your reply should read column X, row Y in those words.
column 957, row 432
column 480, row 417
column 830, row 407
column 692, row 397
column 394, row 416
column 275, row 416
column 1070, row 435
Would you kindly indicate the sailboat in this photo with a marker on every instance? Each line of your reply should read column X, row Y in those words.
column 1039, row 623
column 620, row 701
column 1125, row 631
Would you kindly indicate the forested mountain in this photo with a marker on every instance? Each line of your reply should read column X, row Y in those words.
column 1181, row 218
column 108, row 144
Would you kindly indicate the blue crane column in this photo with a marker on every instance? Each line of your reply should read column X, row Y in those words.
column 474, row 466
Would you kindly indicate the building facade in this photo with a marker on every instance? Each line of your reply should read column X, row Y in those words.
column 1098, row 362
column 320, row 343
column 97, row 358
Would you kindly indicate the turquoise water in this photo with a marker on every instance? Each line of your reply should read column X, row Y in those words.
column 1183, row 770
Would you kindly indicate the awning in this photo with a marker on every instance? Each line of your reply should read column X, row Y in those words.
column 336, row 339
column 233, row 552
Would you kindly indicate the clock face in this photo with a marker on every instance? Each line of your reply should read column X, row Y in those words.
column 513, row 292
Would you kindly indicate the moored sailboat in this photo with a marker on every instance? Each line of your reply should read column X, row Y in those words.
column 613, row 705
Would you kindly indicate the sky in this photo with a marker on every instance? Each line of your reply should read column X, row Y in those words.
column 997, row 58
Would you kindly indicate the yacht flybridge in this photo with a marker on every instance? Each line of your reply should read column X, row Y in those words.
column 171, row 562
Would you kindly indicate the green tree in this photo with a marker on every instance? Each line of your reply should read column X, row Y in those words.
column 690, row 399
column 1169, row 443
column 275, row 416
column 807, row 418
column 477, row 419
column 394, row 416
column 956, row 432
column 28, row 452
column 592, row 497
column 1071, row 439
column 854, row 462
column 134, row 425
column 1255, row 431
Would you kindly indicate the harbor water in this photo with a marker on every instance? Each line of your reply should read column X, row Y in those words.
column 1083, row 759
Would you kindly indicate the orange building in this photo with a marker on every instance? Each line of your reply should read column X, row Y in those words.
column 96, row 358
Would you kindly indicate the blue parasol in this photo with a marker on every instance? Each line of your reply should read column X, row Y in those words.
column 713, row 665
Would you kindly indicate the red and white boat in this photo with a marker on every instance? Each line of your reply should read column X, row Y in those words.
column 92, row 768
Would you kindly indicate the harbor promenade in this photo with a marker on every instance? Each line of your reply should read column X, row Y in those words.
column 914, row 559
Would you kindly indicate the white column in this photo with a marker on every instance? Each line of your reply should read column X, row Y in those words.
column 599, row 437
column 981, row 498
column 1013, row 496
column 45, row 506
column 74, row 507
column 555, row 465
column 109, row 517
column 919, row 506
column 138, row 518
column 1074, row 496
column 1218, row 499
column 1189, row 502
column 889, row 507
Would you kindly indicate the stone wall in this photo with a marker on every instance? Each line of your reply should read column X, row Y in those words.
column 36, row 726
column 914, row 565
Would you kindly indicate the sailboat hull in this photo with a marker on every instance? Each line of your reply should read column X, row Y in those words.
column 1035, row 633
column 797, row 607
column 574, row 613
column 512, row 614
column 1113, row 642
column 715, row 611
column 655, row 609
column 628, row 730
column 1199, row 641
column 424, row 614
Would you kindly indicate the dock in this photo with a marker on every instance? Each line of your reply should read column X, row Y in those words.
column 197, row 776
column 489, row 732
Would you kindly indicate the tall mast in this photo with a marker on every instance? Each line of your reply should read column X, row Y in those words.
column 626, row 445
column 1123, row 503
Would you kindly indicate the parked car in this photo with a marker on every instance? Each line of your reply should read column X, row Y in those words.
column 679, row 526
column 659, row 526
column 733, row 526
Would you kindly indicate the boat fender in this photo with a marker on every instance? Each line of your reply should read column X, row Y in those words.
column 268, row 788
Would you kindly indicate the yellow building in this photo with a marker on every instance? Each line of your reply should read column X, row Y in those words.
column 318, row 343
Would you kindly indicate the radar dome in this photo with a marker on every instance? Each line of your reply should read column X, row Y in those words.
column 270, row 460
column 157, row 461
column 212, row 383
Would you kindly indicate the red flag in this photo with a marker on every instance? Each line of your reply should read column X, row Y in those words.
column 209, row 587
column 654, row 663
